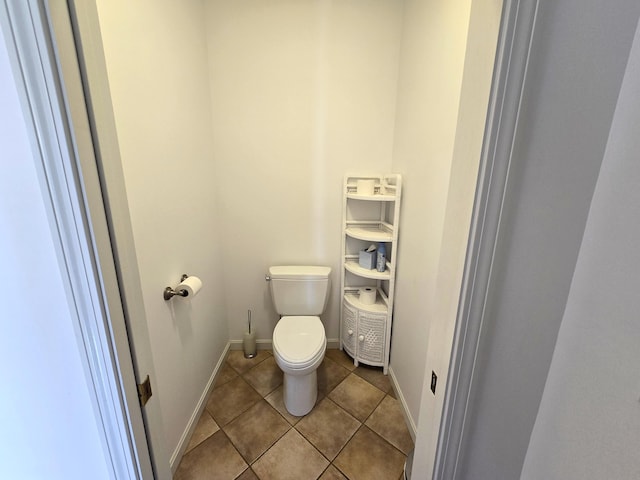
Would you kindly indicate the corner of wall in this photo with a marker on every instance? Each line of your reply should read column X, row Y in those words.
column 179, row 451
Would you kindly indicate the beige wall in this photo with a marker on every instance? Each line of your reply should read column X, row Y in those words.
column 484, row 24
column 301, row 92
column 157, row 68
column 236, row 125
column 251, row 116
column 432, row 61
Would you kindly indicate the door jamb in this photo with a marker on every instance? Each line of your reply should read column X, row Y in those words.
column 86, row 82
column 512, row 58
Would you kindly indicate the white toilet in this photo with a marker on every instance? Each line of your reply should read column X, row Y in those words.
column 299, row 295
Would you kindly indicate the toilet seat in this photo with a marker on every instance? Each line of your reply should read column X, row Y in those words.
column 299, row 341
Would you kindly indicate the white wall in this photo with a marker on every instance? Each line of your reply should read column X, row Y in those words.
column 482, row 38
column 429, row 86
column 49, row 426
column 302, row 92
column 157, row 67
column 588, row 425
column 578, row 59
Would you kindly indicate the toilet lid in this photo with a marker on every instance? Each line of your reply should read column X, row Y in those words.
column 299, row 339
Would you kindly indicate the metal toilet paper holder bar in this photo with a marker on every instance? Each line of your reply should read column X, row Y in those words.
column 169, row 292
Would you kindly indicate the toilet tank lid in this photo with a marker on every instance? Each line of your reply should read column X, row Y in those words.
column 299, row 271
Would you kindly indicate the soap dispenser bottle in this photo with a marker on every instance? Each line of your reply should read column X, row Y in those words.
column 381, row 260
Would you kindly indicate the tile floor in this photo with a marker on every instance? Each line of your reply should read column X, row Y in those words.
column 356, row 430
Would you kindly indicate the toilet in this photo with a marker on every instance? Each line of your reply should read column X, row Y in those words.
column 299, row 295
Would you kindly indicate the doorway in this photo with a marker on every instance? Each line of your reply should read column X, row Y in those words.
column 153, row 265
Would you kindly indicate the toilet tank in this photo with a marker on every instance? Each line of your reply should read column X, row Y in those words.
column 299, row 290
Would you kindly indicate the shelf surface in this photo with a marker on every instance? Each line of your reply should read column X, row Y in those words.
column 373, row 234
column 375, row 197
column 355, row 268
column 378, row 307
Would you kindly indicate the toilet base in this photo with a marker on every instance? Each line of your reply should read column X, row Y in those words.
column 300, row 393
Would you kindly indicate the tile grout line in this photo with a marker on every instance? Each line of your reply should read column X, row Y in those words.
column 241, row 412
column 326, row 396
column 293, row 427
column 237, row 451
column 242, row 376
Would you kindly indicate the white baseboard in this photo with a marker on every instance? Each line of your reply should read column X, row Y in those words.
column 333, row 343
column 193, row 421
column 267, row 344
column 413, row 429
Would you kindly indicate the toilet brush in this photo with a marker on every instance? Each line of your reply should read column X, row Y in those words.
column 249, row 341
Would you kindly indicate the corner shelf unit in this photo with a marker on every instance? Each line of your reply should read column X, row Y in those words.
column 365, row 329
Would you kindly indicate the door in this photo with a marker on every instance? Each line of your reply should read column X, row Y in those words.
column 41, row 357
column 99, row 166
column 65, row 340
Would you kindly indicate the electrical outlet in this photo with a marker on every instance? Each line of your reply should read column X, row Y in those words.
column 434, row 380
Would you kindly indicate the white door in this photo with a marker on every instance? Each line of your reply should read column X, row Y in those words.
column 114, row 239
column 49, row 426
column 105, row 298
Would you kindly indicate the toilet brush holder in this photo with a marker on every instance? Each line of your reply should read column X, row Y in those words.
column 249, row 344
column 249, row 340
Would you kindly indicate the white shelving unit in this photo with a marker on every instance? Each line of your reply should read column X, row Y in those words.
column 365, row 330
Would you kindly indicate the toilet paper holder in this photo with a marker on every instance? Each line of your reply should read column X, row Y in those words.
column 169, row 292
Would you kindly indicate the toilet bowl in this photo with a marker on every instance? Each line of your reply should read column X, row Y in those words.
column 299, row 345
column 299, row 295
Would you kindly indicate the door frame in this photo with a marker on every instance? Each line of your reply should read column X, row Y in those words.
column 507, row 90
column 82, row 67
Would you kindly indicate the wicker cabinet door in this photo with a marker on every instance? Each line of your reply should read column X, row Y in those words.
column 349, row 331
column 371, row 337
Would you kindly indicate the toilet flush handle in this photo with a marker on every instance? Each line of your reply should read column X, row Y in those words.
column 267, row 278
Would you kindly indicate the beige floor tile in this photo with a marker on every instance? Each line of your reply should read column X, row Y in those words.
column 230, row 400
column 225, row 375
column 254, row 431
column 265, row 377
column 328, row 427
column 291, row 458
column 357, row 396
column 242, row 365
column 276, row 401
column 205, row 427
column 374, row 376
column 215, row 459
column 388, row 421
column 236, row 406
column 369, row 457
column 330, row 374
column 332, row 473
column 248, row 475
column 341, row 358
